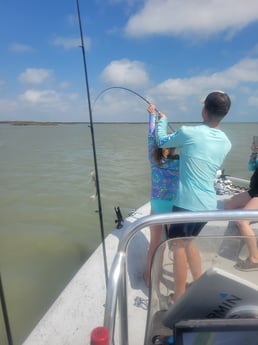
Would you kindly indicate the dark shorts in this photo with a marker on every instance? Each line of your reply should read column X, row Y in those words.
column 184, row 229
column 253, row 188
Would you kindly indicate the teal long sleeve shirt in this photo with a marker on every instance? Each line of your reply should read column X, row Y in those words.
column 202, row 152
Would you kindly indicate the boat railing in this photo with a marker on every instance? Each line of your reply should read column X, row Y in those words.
column 116, row 298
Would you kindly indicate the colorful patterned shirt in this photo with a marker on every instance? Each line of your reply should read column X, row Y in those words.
column 164, row 176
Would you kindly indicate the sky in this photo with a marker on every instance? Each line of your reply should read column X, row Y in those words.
column 170, row 52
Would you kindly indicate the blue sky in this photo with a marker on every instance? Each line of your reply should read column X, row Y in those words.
column 172, row 52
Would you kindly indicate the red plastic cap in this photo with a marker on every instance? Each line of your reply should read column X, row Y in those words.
column 99, row 336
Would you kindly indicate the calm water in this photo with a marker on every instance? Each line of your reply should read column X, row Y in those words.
column 48, row 223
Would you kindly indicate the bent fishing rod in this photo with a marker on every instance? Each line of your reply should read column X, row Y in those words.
column 133, row 92
column 93, row 144
column 122, row 88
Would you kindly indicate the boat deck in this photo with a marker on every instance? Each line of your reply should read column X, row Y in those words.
column 80, row 308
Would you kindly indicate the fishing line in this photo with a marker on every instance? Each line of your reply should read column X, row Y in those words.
column 133, row 92
column 93, row 145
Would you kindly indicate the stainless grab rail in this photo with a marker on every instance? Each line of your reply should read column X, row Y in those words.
column 116, row 290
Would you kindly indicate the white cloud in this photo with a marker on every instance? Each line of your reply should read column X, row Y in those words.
column 7, row 106
column 69, row 43
column 35, row 75
column 179, row 97
column 229, row 79
column 49, row 105
column 243, row 71
column 72, row 20
column 200, row 17
column 119, row 105
column 40, row 97
column 255, row 50
column 125, row 72
column 20, row 48
column 46, row 97
column 253, row 100
column 64, row 84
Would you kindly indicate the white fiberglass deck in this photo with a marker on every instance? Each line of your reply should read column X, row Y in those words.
column 80, row 307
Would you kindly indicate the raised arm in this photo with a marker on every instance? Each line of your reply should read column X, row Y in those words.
column 152, row 119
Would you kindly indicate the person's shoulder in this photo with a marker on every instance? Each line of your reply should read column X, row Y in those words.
column 223, row 134
column 192, row 128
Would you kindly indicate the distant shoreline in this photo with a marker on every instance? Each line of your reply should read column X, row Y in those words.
column 49, row 123
column 39, row 123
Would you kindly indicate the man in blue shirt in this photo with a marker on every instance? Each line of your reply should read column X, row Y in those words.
column 203, row 149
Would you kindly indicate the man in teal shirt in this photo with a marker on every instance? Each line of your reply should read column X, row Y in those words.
column 203, row 149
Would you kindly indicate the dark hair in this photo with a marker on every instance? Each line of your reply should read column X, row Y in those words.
column 158, row 154
column 217, row 104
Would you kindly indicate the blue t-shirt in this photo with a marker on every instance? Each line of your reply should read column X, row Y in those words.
column 202, row 152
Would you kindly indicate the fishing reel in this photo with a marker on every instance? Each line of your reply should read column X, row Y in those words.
column 119, row 221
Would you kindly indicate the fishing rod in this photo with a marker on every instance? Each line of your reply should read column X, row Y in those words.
column 122, row 88
column 5, row 314
column 93, row 144
column 129, row 90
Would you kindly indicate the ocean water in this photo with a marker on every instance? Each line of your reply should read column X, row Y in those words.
column 49, row 223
